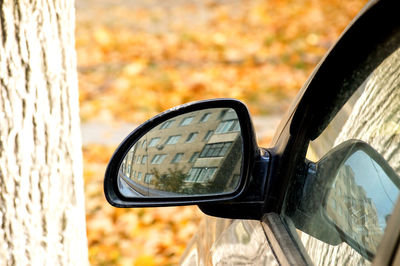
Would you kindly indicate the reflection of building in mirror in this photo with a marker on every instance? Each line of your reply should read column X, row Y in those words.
column 352, row 211
column 194, row 153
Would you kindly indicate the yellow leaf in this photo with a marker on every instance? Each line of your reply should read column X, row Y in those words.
column 102, row 36
column 144, row 260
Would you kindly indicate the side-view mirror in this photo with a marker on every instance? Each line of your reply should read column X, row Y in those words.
column 350, row 194
column 361, row 197
column 195, row 153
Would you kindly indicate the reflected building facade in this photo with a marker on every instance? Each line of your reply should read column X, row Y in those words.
column 350, row 208
column 195, row 153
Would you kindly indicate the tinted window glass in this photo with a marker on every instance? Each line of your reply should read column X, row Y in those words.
column 361, row 199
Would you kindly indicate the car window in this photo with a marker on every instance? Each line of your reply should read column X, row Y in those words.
column 361, row 198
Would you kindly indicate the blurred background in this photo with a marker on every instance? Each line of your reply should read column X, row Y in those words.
column 137, row 58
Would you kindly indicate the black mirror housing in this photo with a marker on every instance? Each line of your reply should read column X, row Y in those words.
column 249, row 153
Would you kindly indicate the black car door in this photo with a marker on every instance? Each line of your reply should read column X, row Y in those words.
column 324, row 193
column 352, row 100
column 346, row 125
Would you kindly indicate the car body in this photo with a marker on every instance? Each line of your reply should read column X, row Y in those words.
column 325, row 192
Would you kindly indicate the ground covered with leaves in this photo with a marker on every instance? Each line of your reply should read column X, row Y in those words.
column 138, row 58
column 151, row 236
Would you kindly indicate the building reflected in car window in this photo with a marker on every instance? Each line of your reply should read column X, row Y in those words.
column 370, row 115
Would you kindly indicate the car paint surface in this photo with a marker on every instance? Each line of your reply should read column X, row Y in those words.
column 225, row 241
column 292, row 126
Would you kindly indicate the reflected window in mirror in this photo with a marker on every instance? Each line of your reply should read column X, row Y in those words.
column 215, row 149
column 186, row 121
column 167, row 124
column 205, row 117
column 173, row 139
column 222, row 114
column 194, row 157
column 154, row 141
column 208, row 135
column 191, row 137
column 147, row 178
column 177, row 158
column 200, row 174
column 228, row 126
column 158, row 158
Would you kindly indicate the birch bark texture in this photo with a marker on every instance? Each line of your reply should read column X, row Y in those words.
column 42, row 217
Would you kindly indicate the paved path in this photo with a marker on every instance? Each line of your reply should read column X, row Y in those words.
column 113, row 134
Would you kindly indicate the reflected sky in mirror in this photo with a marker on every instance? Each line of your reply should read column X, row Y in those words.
column 376, row 183
column 362, row 199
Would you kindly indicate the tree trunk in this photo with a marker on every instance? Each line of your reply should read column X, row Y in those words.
column 42, row 219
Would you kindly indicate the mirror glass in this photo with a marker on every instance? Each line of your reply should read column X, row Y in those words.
column 361, row 200
column 196, row 153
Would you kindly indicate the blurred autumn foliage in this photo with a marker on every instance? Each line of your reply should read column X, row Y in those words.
column 138, row 58
column 151, row 236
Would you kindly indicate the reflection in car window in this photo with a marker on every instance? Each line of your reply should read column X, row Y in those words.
column 370, row 115
column 364, row 193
